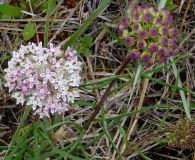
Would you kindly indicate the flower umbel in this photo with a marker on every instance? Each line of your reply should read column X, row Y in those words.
column 183, row 135
column 44, row 78
column 147, row 30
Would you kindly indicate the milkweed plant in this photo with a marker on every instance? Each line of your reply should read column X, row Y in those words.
column 47, row 78
column 44, row 78
column 147, row 31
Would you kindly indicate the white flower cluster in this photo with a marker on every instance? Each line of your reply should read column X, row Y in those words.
column 44, row 77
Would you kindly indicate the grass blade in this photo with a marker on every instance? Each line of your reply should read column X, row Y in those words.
column 25, row 115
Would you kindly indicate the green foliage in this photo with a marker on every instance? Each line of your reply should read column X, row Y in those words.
column 2, row 78
column 33, row 2
column 91, row 85
column 123, row 133
column 83, row 46
column 82, row 28
column 29, row 31
column 170, row 5
column 44, row 5
column 10, row 10
column 4, row 58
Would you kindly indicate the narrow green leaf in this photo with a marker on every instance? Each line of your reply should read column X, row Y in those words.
column 104, row 125
column 63, row 123
column 21, row 141
column 29, row 31
column 183, row 97
column 123, row 133
column 141, row 154
column 102, row 80
column 81, row 103
column 83, row 152
column 49, row 9
column 133, row 112
column 113, row 123
column 20, row 154
column 25, row 115
column 36, row 139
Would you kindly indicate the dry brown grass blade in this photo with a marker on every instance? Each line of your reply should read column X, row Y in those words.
column 97, row 95
column 100, row 36
column 185, row 15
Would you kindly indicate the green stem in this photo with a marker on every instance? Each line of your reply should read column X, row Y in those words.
column 47, row 23
column 108, row 135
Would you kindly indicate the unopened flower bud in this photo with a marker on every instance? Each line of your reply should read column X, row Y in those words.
column 164, row 40
column 145, row 57
column 169, row 52
column 142, row 9
column 147, row 17
column 161, row 50
column 125, row 21
column 134, row 54
column 153, row 32
column 163, row 12
column 141, row 44
column 148, row 63
column 129, row 41
column 163, row 59
column 154, row 12
column 163, row 30
column 137, row 17
column 167, row 20
column 153, row 47
column 142, row 34
column 136, row 27
column 172, row 42
column 173, row 32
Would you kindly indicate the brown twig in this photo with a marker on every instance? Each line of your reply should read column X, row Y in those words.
column 97, row 95
column 185, row 15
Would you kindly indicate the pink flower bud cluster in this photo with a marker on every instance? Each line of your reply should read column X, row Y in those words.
column 183, row 135
column 147, row 31
column 44, row 78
